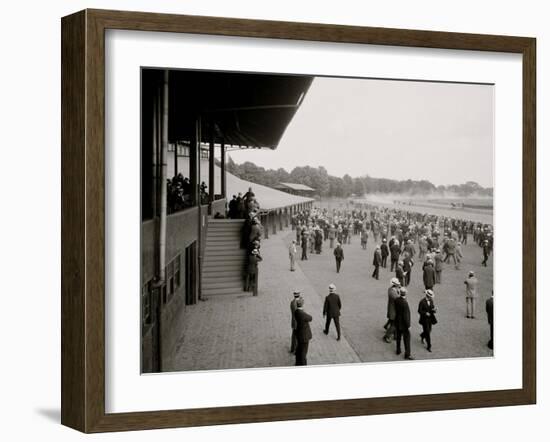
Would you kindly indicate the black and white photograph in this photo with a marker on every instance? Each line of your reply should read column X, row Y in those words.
column 293, row 220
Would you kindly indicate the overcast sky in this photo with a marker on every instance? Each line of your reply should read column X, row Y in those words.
column 440, row 132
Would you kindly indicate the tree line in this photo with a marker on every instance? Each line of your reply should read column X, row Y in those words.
column 332, row 186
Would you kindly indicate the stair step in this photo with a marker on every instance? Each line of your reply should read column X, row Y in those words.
column 221, row 291
column 215, row 272
column 225, row 251
column 222, row 249
column 221, row 227
column 223, row 265
column 230, row 279
column 216, row 262
column 224, row 258
column 225, row 221
column 215, row 232
column 208, row 285
column 228, row 239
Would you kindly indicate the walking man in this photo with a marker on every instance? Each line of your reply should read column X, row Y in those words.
column 385, row 252
column 339, row 256
column 331, row 310
column 393, row 294
column 293, row 323
column 486, row 252
column 292, row 252
column 471, row 294
column 426, row 310
column 395, row 251
column 438, row 262
column 429, row 275
column 304, row 244
column 377, row 262
column 403, row 323
column 407, row 268
column 303, row 332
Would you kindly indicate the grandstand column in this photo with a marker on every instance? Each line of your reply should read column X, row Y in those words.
column 163, row 173
column 223, row 172
column 273, row 222
column 265, row 220
column 280, row 219
column 211, row 176
column 286, row 216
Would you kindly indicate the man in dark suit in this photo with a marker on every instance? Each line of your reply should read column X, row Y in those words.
column 393, row 294
column 251, row 281
column 384, row 249
column 407, row 268
column 303, row 332
column 331, row 310
column 429, row 275
column 339, row 256
column 426, row 310
column 377, row 262
column 395, row 252
column 304, row 242
column 489, row 310
column 400, row 273
column 233, row 207
column 293, row 323
column 403, row 323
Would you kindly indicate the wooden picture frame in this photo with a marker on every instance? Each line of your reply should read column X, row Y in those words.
column 83, row 220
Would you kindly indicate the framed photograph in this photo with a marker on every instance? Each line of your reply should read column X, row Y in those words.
column 268, row 221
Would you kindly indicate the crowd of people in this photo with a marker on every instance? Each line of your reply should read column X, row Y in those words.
column 251, row 236
column 179, row 193
column 240, row 207
column 404, row 237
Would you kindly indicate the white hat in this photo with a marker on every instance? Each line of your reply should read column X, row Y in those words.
column 395, row 281
column 331, row 288
column 429, row 292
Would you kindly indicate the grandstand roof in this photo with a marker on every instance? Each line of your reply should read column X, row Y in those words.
column 247, row 110
column 294, row 186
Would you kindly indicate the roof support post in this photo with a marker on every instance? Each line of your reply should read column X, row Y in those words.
column 223, row 174
column 211, row 170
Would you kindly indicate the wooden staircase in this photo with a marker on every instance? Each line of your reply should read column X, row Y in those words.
column 224, row 260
